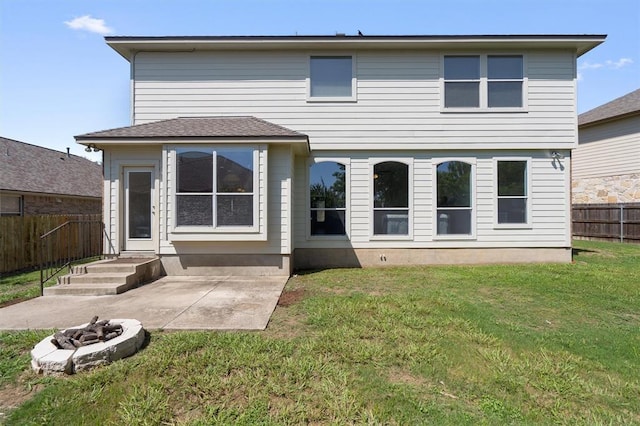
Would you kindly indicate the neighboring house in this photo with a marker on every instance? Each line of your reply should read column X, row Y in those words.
column 267, row 154
column 606, row 163
column 41, row 181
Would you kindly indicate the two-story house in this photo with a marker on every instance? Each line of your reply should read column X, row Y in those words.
column 265, row 154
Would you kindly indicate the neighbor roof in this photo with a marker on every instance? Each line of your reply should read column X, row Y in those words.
column 621, row 107
column 30, row 168
column 198, row 128
column 128, row 46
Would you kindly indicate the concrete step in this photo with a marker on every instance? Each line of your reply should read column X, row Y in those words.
column 87, row 289
column 112, row 276
column 96, row 278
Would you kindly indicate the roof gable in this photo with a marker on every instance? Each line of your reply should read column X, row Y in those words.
column 30, row 168
column 626, row 105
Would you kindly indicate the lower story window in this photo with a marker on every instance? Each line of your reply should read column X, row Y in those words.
column 10, row 205
column 215, row 187
column 512, row 192
column 391, row 198
column 327, row 194
column 454, row 206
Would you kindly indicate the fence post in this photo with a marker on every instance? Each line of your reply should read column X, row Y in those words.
column 621, row 223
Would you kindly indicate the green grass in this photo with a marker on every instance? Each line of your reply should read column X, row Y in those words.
column 526, row 344
column 19, row 286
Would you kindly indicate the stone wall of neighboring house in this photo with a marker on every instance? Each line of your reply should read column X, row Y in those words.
column 42, row 204
column 606, row 189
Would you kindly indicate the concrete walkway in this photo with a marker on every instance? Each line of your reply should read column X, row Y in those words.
column 170, row 303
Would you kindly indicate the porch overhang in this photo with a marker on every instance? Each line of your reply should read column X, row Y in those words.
column 199, row 130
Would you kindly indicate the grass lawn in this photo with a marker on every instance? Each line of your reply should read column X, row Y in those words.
column 525, row 344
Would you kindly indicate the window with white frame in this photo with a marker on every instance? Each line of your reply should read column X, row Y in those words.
column 483, row 81
column 215, row 187
column 454, row 211
column 512, row 192
column 331, row 78
column 327, row 196
column 391, row 198
column 10, row 205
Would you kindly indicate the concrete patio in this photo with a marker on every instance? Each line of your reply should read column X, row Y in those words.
column 170, row 303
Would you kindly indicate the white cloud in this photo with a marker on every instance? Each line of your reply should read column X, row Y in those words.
column 87, row 23
column 608, row 64
column 619, row 63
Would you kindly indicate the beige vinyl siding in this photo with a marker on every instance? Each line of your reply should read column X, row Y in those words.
column 550, row 218
column 398, row 99
column 609, row 149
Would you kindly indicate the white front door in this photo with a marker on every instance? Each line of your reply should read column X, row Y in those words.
column 139, row 209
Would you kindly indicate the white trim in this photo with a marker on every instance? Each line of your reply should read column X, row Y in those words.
column 528, row 223
column 484, row 85
column 435, row 162
column 346, row 161
column 338, row 99
column 408, row 161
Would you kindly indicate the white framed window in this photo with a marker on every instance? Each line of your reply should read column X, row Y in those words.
column 483, row 83
column 10, row 205
column 455, row 198
column 328, row 198
column 512, row 189
column 216, row 188
column 331, row 79
column 391, row 181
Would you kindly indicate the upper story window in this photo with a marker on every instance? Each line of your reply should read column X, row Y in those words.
column 484, row 81
column 215, row 187
column 327, row 194
column 331, row 78
column 391, row 198
column 512, row 192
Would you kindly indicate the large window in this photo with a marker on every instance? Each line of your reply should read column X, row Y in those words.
column 483, row 81
column 454, row 198
column 331, row 77
column 390, row 198
column 512, row 192
column 215, row 199
column 327, row 193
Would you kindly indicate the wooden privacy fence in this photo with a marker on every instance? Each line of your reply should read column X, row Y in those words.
column 20, row 239
column 610, row 222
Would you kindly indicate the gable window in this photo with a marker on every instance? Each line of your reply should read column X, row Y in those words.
column 331, row 78
column 327, row 194
column 483, row 81
column 512, row 192
column 391, row 198
column 454, row 198
column 215, row 187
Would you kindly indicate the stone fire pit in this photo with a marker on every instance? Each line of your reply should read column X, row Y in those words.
column 47, row 358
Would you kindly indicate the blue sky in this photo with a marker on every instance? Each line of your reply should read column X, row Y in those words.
column 59, row 79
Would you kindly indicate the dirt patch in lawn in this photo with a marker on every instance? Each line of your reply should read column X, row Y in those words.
column 289, row 297
column 15, row 394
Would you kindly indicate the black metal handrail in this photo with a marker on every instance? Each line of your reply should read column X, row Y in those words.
column 70, row 242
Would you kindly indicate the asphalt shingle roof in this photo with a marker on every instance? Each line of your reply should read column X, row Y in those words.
column 198, row 127
column 30, row 168
column 624, row 105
